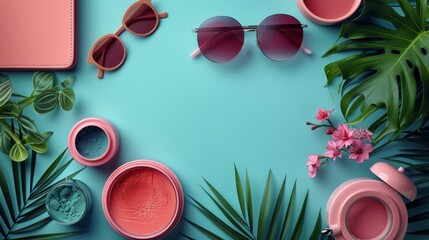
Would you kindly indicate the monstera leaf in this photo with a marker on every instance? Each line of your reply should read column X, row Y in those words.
column 390, row 72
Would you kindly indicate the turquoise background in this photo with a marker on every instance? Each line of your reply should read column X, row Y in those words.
column 197, row 117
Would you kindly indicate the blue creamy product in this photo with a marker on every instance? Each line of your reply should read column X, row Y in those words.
column 91, row 142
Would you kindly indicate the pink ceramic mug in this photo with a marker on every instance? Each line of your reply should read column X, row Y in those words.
column 143, row 199
column 369, row 209
column 328, row 12
column 93, row 141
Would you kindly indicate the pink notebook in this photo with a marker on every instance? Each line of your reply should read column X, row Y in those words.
column 38, row 34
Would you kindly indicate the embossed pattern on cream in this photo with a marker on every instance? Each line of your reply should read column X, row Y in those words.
column 143, row 201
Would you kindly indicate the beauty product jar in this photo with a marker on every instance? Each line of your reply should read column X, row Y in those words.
column 68, row 202
column 143, row 199
column 327, row 12
column 93, row 141
column 370, row 209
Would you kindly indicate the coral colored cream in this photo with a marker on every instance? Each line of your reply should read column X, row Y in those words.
column 327, row 12
column 143, row 199
column 369, row 217
column 369, row 209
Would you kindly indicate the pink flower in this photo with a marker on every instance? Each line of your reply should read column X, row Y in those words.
column 344, row 135
column 360, row 151
column 313, row 164
column 323, row 114
column 333, row 150
column 362, row 133
column 329, row 131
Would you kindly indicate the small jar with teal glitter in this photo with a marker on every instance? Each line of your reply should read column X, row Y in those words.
column 68, row 202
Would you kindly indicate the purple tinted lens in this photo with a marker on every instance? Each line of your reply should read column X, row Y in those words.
column 220, row 39
column 141, row 19
column 109, row 52
column 280, row 36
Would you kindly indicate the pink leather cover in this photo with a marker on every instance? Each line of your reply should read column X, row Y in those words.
column 37, row 34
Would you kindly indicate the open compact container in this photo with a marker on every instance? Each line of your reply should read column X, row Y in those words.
column 328, row 12
column 370, row 209
column 143, row 199
column 68, row 202
column 93, row 141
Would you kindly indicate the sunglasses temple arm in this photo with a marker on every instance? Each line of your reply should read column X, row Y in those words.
column 305, row 50
column 163, row 15
column 100, row 73
column 195, row 53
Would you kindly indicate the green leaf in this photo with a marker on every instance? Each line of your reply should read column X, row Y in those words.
column 249, row 202
column 27, row 124
column 217, row 221
column 391, row 72
column 5, row 142
column 231, row 219
column 270, row 219
column 66, row 99
column 420, row 232
column 39, row 148
column 4, row 217
column 265, row 208
column 45, row 102
column 23, row 174
column 2, row 231
column 419, row 217
column 296, row 234
column 6, row 115
column 48, row 236
column 18, row 152
column 45, row 188
column 5, row 91
column 315, row 235
column 33, row 226
column 32, row 168
column 275, row 218
column 288, row 216
column 37, row 202
column 47, row 135
column 206, row 232
column 225, row 203
column 240, row 194
column 50, row 169
column 418, row 202
column 6, row 193
column 32, row 214
column 17, row 182
column 43, row 81
column 34, row 138
column 68, row 82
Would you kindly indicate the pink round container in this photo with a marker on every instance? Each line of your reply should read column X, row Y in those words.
column 143, row 199
column 328, row 12
column 370, row 209
column 95, row 135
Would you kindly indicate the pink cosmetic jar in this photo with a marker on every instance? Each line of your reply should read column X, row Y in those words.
column 93, row 142
column 143, row 199
column 370, row 209
column 328, row 12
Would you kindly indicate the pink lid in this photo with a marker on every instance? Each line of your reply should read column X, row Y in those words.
column 395, row 178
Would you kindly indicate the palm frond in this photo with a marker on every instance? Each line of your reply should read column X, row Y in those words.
column 24, row 201
column 273, row 220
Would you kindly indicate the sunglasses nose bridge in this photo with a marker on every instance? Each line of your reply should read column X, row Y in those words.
column 250, row 28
